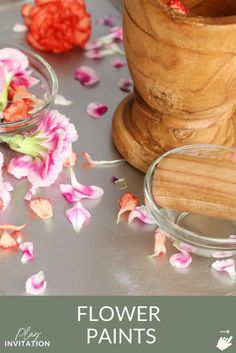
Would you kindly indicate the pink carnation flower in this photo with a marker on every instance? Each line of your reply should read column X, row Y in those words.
column 45, row 150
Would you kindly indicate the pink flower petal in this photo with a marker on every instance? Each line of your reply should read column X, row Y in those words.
column 31, row 192
column 107, row 21
column 125, row 85
column 36, row 284
column 96, row 109
column 225, row 266
column 93, row 162
column 76, row 191
column 86, row 76
column 77, row 216
column 61, row 100
column 118, row 63
column 19, row 167
column 117, row 33
column 159, row 247
column 19, row 28
column 142, row 214
column 99, row 53
column 232, row 236
column 28, row 252
column 181, row 260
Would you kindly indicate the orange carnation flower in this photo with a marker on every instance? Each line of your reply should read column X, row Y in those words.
column 57, row 25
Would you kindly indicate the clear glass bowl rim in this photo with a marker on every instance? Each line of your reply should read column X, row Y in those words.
column 52, row 76
column 158, row 214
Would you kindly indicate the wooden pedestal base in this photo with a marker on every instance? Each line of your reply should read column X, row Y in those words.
column 141, row 134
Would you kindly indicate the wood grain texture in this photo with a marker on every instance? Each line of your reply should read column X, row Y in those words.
column 205, row 186
column 184, row 72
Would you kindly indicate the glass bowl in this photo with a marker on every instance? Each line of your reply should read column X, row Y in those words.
column 197, row 233
column 46, row 90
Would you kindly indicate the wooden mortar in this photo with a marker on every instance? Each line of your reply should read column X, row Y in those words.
column 184, row 72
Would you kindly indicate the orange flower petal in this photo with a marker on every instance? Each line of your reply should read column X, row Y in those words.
column 11, row 227
column 42, row 207
column 7, row 241
column 127, row 203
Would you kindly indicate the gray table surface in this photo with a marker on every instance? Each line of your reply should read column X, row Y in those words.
column 105, row 258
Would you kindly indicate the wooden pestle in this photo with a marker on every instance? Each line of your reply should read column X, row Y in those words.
column 199, row 185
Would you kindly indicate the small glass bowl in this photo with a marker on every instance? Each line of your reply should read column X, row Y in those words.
column 46, row 90
column 199, row 234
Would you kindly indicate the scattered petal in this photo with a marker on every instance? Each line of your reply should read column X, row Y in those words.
column 96, row 109
column 31, row 192
column 19, row 28
column 61, row 100
column 71, row 160
column 178, row 7
column 125, row 85
column 42, row 207
column 17, row 234
column 76, row 191
column 114, row 179
column 225, row 266
column 86, row 76
column 117, row 33
column 142, row 214
column 159, row 248
column 181, row 260
column 128, row 202
column 11, row 227
column 92, row 162
column 98, row 53
column 36, row 284
column 122, row 183
column 232, row 236
column 118, row 63
column 107, row 21
column 28, row 252
column 77, row 216
column 7, row 241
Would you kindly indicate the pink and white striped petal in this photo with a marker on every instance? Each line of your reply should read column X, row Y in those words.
column 118, row 63
column 92, row 162
column 141, row 213
column 36, row 284
column 86, row 76
column 117, row 33
column 97, row 109
column 159, row 247
column 125, row 85
column 19, row 167
column 181, row 260
column 77, row 216
column 76, row 191
column 28, row 252
column 225, row 266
